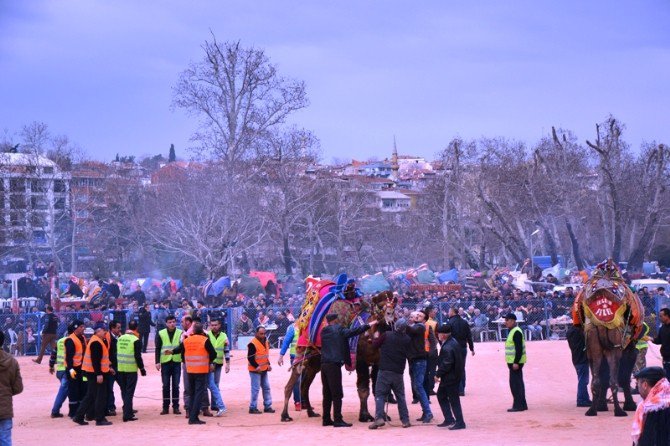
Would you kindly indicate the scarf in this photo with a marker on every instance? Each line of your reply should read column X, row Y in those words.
column 658, row 399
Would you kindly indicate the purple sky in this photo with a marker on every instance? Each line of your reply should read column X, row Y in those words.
column 102, row 71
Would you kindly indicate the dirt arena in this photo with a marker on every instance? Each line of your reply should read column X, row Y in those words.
column 550, row 380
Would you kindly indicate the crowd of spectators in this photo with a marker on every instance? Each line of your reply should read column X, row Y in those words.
column 480, row 306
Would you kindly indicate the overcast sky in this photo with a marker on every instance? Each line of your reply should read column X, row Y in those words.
column 102, row 72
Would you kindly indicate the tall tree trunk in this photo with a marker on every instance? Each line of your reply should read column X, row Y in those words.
column 575, row 245
column 287, row 256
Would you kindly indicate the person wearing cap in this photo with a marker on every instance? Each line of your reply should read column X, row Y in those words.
column 392, row 345
column 11, row 384
column 515, row 357
column 129, row 359
column 335, row 353
column 57, row 366
column 97, row 365
column 75, row 346
column 651, row 423
column 449, row 375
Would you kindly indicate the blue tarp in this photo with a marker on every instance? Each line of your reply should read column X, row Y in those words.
column 448, row 276
column 218, row 286
column 373, row 284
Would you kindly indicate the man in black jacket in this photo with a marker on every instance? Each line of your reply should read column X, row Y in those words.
column 449, row 373
column 334, row 353
column 460, row 330
column 577, row 344
column 663, row 338
column 50, row 323
column 144, row 325
column 392, row 357
column 651, row 426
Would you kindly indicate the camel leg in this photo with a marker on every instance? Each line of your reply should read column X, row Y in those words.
column 604, row 376
column 595, row 357
column 312, row 367
column 626, row 365
column 613, row 360
column 363, row 387
column 288, row 390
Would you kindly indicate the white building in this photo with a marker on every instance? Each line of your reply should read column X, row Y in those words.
column 390, row 201
column 34, row 194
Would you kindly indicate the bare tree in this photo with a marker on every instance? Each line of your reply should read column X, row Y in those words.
column 238, row 96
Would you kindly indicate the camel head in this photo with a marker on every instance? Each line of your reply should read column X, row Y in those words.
column 383, row 307
column 605, row 294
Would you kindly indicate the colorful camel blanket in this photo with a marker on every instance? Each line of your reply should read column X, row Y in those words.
column 658, row 399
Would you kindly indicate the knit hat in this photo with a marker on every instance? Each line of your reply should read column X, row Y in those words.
column 99, row 325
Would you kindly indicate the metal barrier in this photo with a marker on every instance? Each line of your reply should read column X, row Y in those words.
column 540, row 319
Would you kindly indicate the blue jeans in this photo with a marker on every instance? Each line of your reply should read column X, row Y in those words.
column 296, row 387
column 418, row 370
column 583, row 383
column 62, row 392
column 6, row 432
column 213, row 384
column 259, row 380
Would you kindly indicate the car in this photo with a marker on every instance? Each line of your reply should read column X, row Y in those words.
column 651, row 284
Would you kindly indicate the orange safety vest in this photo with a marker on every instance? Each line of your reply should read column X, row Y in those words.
column 426, row 341
column 79, row 347
column 108, row 338
column 262, row 355
column 195, row 354
column 87, row 365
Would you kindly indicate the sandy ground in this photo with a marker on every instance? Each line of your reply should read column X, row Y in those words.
column 550, row 386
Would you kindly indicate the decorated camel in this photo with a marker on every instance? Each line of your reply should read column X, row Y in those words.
column 612, row 317
column 326, row 297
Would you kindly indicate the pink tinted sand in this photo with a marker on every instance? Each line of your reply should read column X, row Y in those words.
column 550, row 387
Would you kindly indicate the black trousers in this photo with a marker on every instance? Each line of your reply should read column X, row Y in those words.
column 94, row 404
column 76, row 389
column 170, row 375
column 517, row 387
column 198, row 386
column 431, row 368
column 144, row 339
column 331, row 377
column 450, row 402
column 128, row 382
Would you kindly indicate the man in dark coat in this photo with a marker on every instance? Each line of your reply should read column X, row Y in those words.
column 577, row 344
column 449, row 374
column 460, row 331
column 334, row 353
column 651, row 426
column 393, row 345
column 144, row 325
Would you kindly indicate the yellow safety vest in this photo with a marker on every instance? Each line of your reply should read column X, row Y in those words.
column 510, row 351
column 294, row 341
column 60, row 354
column 125, row 353
column 643, row 344
column 169, row 345
column 219, row 344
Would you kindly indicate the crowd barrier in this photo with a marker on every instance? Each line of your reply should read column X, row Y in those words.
column 540, row 319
